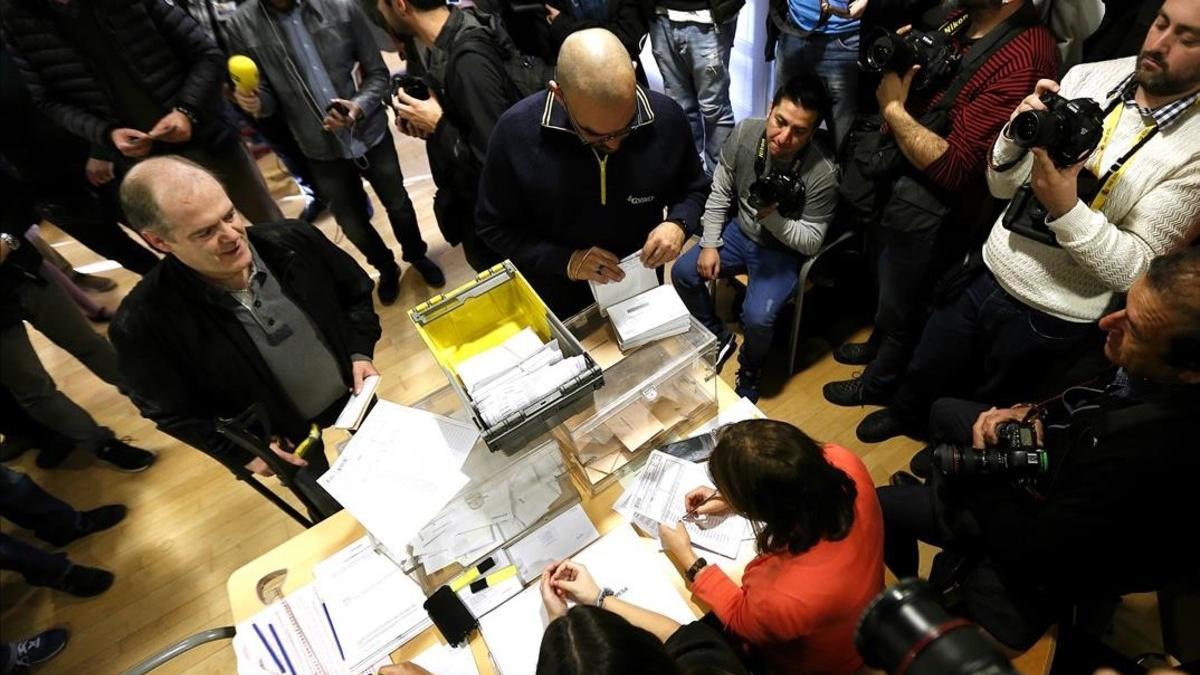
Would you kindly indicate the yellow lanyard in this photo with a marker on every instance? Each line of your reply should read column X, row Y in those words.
column 1110, row 126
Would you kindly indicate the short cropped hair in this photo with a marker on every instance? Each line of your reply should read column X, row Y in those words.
column 806, row 91
column 139, row 198
column 1175, row 278
column 774, row 474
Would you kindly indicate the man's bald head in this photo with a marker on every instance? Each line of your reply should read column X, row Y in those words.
column 594, row 66
column 146, row 187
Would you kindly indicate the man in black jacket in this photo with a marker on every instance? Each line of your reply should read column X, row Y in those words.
column 577, row 178
column 470, row 92
column 1121, row 467
column 133, row 78
column 234, row 315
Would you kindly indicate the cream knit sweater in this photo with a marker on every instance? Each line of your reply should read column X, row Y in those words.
column 1151, row 209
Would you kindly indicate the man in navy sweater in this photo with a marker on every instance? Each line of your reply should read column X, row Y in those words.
column 579, row 177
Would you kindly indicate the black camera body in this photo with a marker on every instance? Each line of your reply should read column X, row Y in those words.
column 413, row 86
column 784, row 190
column 886, row 50
column 1016, row 456
column 1069, row 129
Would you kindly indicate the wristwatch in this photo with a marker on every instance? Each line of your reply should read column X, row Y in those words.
column 188, row 113
column 10, row 241
column 692, row 571
column 604, row 593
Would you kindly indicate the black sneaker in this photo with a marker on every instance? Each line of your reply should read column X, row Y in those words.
column 849, row 393
column 85, row 582
column 40, row 648
column 430, row 272
column 14, row 446
column 53, row 454
column 879, row 426
column 725, row 349
column 90, row 522
column 747, row 385
column 855, row 353
column 125, row 457
column 388, row 288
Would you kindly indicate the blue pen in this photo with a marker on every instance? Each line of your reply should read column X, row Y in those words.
column 270, row 651
column 333, row 630
column 283, row 651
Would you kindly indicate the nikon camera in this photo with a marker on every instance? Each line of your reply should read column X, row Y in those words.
column 1017, row 457
column 886, row 50
column 1068, row 129
column 781, row 189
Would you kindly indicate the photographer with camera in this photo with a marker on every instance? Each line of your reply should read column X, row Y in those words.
column 455, row 106
column 784, row 183
column 307, row 52
column 914, row 181
column 1075, row 233
column 1116, row 471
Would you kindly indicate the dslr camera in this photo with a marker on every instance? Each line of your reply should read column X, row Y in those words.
column 906, row 630
column 783, row 190
column 1068, row 129
column 411, row 85
column 1017, row 456
column 887, row 50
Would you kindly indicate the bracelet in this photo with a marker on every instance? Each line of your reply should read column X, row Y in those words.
column 188, row 113
column 692, row 571
column 604, row 593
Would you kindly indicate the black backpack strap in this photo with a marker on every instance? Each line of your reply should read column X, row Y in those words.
column 479, row 41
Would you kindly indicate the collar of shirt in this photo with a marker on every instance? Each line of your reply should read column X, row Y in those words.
column 554, row 115
column 445, row 38
column 1164, row 115
column 258, row 276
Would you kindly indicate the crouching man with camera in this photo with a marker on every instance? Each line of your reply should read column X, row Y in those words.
column 1103, row 176
column 784, row 184
column 1098, row 512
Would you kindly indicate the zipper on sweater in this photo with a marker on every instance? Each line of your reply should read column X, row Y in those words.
column 603, row 160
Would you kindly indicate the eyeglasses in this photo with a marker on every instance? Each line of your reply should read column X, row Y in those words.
column 597, row 141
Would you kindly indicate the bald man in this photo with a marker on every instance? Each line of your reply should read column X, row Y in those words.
column 235, row 315
column 587, row 173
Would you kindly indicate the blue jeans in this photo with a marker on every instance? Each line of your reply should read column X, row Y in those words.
column 834, row 60
column 694, row 61
column 773, row 276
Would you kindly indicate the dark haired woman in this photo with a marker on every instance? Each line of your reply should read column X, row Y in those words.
column 604, row 635
column 819, row 532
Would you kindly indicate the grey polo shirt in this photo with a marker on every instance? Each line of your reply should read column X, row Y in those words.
column 288, row 341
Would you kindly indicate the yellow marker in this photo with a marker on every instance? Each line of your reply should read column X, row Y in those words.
column 466, row 578
column 244, row 73
column 493, row 579
column 314, row 435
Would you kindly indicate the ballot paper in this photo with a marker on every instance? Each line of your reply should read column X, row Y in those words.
column 446, row 660
column 619, row 560
column 650, row 316
column 638, row 279
column 294, row 635
column 373, row 605
column 352, row 414
column 488, row 515
column 492, row 363
column 658, row 494
column 399, row 470
column 516, row 394
column 560, row 538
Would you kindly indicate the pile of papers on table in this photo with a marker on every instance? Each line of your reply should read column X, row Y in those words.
column 641, row 310
column 485, row 518
column 359, row 609
column 508, row 377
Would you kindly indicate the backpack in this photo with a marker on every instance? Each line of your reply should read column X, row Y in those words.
column 527, row 74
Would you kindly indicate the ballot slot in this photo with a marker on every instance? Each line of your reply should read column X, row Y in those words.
column 498, row 305
column 651, row 395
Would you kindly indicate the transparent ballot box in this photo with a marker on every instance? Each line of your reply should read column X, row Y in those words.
column 483, row 314
column 650, row 395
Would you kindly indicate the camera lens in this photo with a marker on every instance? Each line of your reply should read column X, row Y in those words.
column 881, row 47
column 906, row 630
column 1036, row 128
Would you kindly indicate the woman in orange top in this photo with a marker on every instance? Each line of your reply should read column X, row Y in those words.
column 819, row 532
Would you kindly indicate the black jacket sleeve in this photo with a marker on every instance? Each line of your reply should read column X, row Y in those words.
column 95, row 130
column 479, row 96
column 376, row 78
column 629, row 20
column 154, row 381
column 201, row 57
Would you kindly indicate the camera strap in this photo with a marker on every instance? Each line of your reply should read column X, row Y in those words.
column 760, row 158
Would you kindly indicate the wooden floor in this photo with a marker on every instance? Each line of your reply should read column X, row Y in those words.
column 190, row 524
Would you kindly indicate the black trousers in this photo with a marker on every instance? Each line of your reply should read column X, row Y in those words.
column 31, row 507
column 91, row 215
column 988, row 345
column 339, row 182
column 1013, row 613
